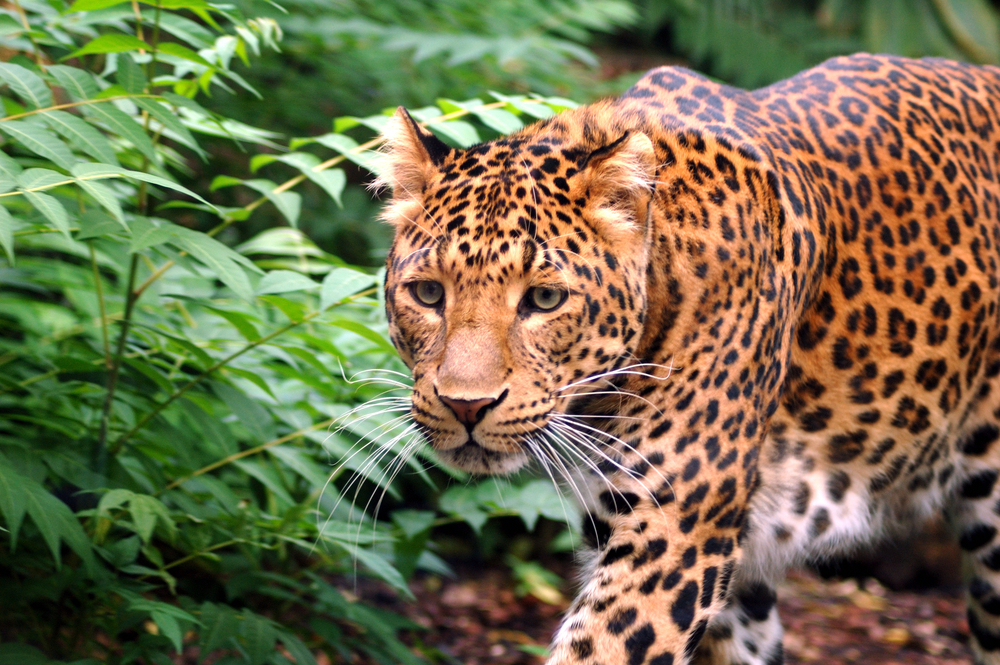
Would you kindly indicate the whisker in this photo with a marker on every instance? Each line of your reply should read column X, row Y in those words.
column 625, row 371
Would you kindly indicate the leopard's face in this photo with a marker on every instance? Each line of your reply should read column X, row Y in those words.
column 508, row 295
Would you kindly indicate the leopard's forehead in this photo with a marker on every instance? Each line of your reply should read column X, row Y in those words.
column 506, row 198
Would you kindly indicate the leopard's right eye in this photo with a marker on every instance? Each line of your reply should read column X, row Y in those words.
column 428, row 292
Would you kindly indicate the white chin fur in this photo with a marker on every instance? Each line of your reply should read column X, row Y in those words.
column 473, row 458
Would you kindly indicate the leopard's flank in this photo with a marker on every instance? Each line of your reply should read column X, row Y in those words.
column 748, row 329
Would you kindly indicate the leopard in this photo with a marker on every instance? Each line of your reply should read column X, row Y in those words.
column 749, row 330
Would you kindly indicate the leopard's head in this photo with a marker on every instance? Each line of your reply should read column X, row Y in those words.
column 516, row 279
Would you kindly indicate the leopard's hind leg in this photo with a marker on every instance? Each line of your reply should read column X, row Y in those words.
column 747, row 632
column 976, row 517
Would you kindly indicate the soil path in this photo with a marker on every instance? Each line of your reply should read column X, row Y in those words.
column 479, row 620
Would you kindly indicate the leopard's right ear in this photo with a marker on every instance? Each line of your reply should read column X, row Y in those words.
column 410, row 154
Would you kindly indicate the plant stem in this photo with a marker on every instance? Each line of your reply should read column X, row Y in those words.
column 116, row 364
column 27, row 29
column 196, row 380
column 100, row 303
column 222, row 363
column 70, row 105
column 138, row 20
column 247, row 453
column 195, row 555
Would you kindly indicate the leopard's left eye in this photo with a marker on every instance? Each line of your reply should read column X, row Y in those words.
column 545, row 298
column 428, row 292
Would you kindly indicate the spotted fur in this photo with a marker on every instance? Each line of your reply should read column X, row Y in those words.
column 748, row 328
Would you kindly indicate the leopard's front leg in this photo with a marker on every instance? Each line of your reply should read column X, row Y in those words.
column 662, row 575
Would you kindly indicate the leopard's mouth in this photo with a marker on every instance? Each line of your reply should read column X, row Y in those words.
column 473, row 457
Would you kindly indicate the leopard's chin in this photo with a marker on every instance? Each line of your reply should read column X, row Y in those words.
column 474, row 458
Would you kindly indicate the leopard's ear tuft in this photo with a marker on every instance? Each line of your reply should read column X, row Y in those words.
column 619, row 178
column 409, row 156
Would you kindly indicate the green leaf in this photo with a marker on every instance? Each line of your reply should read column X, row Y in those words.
column 299, row 652
column 382, row 568
column 169, row 628
column 218, row 258
column 7, row 233
column 462, row 502
column 122, row 124
column 283, row 281
column 347, row 147
column 40, row 141
column 145, row 234
column 223, row 181
column 186, row 30
column 331, row 180
column 114, row 499
column 95, row 224
column 180, row 4
column 251, row 413
column 146, row 511
column 53, row 518
column 252, row 378
column 106, row 198
column 9, row 168
column 13, row 503
column 238, row 321
column 178, row 51
column 15, row 653
column 458, row 131
column 166, row 617
column 171, row 122
column 364, row 331
column 502, row 121
column 301, row 463
column 130, row 75
column 267, row 476
column 413, row 522
column 288, row 203
column 92, row 5
column 342, row 282
column 259, row 637
column 219, row 628
column 26, row 84
column 41, row 179
column 79, row 83
column 110, row 43
column 92, row 170
column 293, row 310
column 85, row 136
column 50, row 207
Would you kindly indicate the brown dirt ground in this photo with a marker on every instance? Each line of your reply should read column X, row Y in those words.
column 477, row 619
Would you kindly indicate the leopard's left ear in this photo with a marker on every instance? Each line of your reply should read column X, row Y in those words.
column 410, row 154
column 619, row 178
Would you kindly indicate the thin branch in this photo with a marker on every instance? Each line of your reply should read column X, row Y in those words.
column 70, row 105
column 117, row 446
column 53, row 185
column 116, row 363
column 247, row 453
column 27, row 29
column 100, row 302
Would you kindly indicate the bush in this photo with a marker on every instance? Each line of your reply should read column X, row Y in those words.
column 168, row 401
column 751, row 43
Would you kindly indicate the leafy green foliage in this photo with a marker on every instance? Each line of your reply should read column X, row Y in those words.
column 171, row 401
column 756, row 42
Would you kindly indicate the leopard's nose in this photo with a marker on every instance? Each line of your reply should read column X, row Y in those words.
column 470, row 411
